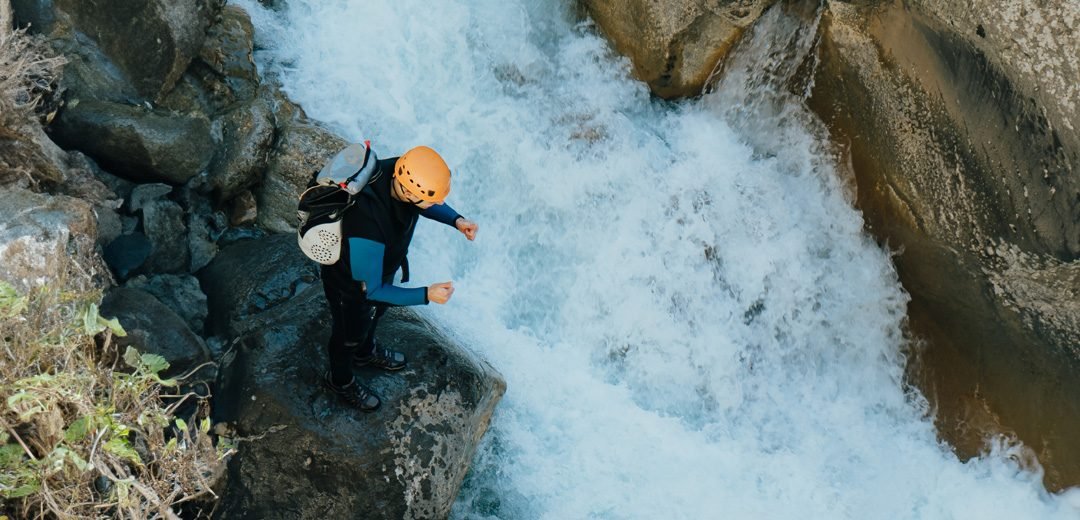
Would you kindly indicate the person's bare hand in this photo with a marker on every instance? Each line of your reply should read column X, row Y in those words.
column 440, row 292
column 467, row 227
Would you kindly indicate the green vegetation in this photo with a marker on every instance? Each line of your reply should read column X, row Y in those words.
column 87, row 431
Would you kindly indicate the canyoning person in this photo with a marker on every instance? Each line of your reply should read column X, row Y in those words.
column 375, row 233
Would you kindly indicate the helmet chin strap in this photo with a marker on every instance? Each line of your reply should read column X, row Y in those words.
column 395, row 190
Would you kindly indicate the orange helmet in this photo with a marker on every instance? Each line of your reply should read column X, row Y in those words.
column 424, row 174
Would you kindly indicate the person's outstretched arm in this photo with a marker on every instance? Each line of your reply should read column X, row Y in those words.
column 442, row 213
column 446, row 214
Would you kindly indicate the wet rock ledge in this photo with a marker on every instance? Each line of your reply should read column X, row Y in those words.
column 175, row 184
column 306, row 454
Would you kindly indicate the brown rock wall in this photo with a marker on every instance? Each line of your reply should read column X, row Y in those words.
column 1035, row 43
column 676, row 44
column 961, row 164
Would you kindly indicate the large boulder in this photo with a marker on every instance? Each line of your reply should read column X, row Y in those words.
column 933, row 97
column 152, row 327
column 180, row 293
column 250, row 277
column 247, row 136
column 141, row 143
column 228, row 51
column 303, row 454
column 223, row 74
column 675, row 45
column 149, row 43
column 301, row 149
column 962, row 132
column 43, row 236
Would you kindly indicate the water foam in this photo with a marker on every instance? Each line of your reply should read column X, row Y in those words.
column 689, row 318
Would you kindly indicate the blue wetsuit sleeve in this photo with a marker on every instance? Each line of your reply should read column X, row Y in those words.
column 365, row 262
column 441, row 213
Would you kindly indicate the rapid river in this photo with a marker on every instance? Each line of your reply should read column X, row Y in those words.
column 690, row 318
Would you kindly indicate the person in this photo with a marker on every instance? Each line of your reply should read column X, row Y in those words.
column 376, row 232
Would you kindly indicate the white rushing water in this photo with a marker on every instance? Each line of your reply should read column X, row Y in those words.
column 691, row 322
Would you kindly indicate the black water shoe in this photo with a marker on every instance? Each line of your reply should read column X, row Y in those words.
column 383, row 358
column 355, row 394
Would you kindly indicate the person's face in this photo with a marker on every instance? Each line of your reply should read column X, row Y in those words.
column 404, row 195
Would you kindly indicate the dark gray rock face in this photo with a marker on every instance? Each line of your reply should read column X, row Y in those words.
column 302, row 149
column 247, row 136
column 204, row 223
column 154, row 328
column 306, row 455
column 204, row 230
column 150, row 43
column 162, row 222
column 181, row 293
column 127, row 253
column 142, row 144
column 228, row 52
column 250, row 277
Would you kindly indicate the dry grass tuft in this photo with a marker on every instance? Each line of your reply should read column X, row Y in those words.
column 85, row 430
column 29, row 72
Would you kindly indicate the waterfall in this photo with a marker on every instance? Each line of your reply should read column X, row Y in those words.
column 689, row 317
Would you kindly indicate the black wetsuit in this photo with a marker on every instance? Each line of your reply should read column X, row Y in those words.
column 376, row 233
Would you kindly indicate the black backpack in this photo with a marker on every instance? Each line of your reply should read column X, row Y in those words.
column 328, row 195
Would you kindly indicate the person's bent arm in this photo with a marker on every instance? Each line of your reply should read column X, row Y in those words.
column 365, row 262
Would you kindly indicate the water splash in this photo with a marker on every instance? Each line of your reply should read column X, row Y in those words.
column 690, row 320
